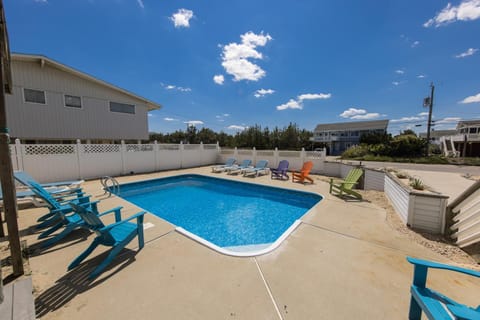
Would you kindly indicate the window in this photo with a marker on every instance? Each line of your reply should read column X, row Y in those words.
column 34, row 96
column 472, row 130
column 122, row 107
column 73, row 101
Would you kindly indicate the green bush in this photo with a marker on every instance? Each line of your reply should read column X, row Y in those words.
column 355, row 152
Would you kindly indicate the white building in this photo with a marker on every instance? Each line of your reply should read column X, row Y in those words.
column 52, row 102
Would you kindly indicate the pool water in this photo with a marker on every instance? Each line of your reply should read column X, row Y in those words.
column 228, row 214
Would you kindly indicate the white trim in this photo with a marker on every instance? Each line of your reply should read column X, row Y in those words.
column 25, row 100
column 72, row 107
column 253, row 253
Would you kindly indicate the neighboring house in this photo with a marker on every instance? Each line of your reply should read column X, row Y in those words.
column 436, row 135
column 338, row 137
column 52, row 102
column 465, row 142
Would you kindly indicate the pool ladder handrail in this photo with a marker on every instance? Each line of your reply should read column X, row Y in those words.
column 113, row 187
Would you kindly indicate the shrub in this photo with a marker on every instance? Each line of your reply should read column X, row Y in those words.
column 355, row 152
column 417, row 184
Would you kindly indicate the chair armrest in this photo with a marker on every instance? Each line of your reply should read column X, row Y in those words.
column 138, row 216
column 115, row 210
column 436, row 265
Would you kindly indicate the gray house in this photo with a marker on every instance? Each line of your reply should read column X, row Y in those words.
column 52, row 102
column 338, row 137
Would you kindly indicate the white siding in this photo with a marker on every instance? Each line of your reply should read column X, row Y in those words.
column 398, row 196
column 374, row 180
column 429, row 213
column 55, row 121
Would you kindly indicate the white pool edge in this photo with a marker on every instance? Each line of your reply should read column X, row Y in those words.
column 253, row 253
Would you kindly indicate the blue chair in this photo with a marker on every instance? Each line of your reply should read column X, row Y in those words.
column 434, row 304
column 58, row 215
column 220, row 168
column 281, row 171
column 235, row 168
column 116, row 235
column 260, row 167
column 26, row 179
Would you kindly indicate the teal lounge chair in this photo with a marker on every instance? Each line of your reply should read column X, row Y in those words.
column 27, row 195
column 220, row 168
column 260, row 168
column 116, row 235
column 58, row 215
column 239, row 168
column 25, row 179
column 434, row 304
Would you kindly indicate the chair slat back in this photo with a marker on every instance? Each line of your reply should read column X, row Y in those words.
column 307, row 166
column 45, row 195
column 353, row 176
column 230, row 162
column 24, row 178
column 94, row 223
column 261, row 164
column 246, row 163
column 283, row 165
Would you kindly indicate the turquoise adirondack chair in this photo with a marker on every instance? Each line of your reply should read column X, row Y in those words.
column 346, row 185
column 434, row 304
column 60, row 215
column 116, row 235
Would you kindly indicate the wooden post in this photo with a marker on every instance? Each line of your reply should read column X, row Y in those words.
column 6, row 168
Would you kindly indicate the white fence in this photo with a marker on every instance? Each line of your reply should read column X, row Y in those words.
column 54, row 162
column 466, row 217
column 372, row 179
column 295, row 158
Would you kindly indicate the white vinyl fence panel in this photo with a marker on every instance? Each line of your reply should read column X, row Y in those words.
column 466, row 217
column 374, row 179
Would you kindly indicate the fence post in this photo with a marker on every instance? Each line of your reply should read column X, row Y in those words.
column 79, row 159
column 303, row 155
column 181, row 148
column 235, row 153
column 123, row 151
column 202, row 154
column 275, row 157
column 19, row 154
column 254, row 155
column 155, row 155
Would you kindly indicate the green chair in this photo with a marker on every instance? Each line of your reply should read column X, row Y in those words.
column 346, row 186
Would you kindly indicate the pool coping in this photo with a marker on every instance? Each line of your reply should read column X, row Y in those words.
column 254, row 253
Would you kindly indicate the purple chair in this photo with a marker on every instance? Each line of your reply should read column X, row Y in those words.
column 281, row 171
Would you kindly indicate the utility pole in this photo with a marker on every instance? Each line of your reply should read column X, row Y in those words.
column 428, row 101
column 6, row 168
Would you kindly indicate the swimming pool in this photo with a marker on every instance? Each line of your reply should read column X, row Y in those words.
column 235, row 218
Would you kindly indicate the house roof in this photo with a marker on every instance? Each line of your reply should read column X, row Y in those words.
column 464, row 123
column 45, row 60
column 358, row 125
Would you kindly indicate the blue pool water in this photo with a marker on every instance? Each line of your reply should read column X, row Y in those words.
column 225, row 213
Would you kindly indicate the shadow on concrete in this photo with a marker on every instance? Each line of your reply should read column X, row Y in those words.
column 76, row 282
column 76, row 236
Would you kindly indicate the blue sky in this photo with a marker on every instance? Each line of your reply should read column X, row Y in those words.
column 227, row 65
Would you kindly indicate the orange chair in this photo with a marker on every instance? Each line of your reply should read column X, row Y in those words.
column 302, row 175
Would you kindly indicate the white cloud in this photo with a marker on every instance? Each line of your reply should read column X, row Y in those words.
column 313, row 96
column 421, row 76
column 263, row 92
column 448, row 120
column 235, row 57
column 408, row 119
column 170, row 119
column 298, row 104
column 218, row 79
column 415, row 44
column 465, row 11
column 291, row 104
column 178, row 88
column 423, row 114
column 182, row 18
column 140, row 4
column 471, row 99
column 236, row 127
column 151, row 115
column 367, row 116
column 350, row 112
column 193, row 122
column 399, row 71
column 221, row 117
column 41, row 1
column 467, row 53
column 357, row 114
column 395, row 83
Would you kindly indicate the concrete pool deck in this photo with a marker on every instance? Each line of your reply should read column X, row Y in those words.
column 343, row 261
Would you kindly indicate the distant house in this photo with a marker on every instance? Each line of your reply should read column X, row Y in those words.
column 464, row 142
column 436, row 135
column 52, row 102
column 338, row 137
